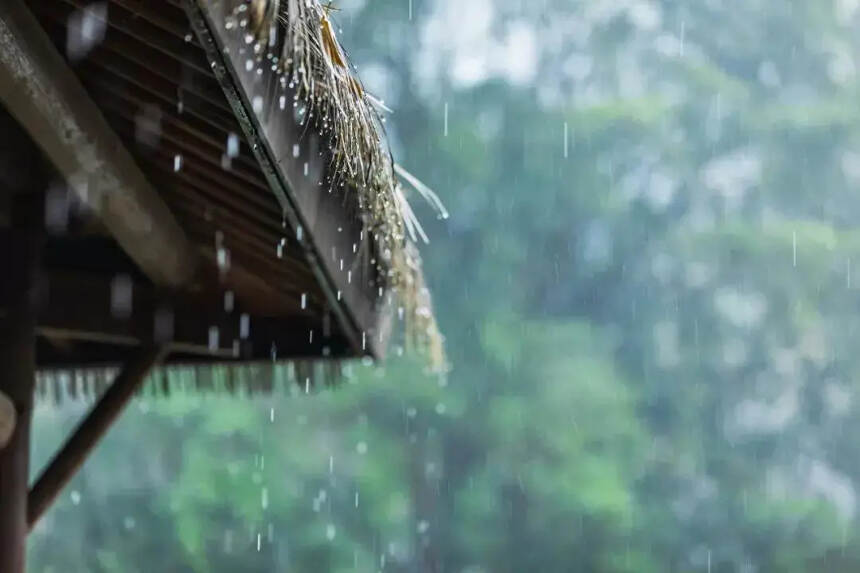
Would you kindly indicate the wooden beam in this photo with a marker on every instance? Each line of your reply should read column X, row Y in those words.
column 8, row 419
column 46, row 97
column 19, row 257
column 76, row 308
column 72, row 455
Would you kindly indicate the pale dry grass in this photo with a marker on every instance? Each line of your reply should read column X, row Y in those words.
column 301, row 36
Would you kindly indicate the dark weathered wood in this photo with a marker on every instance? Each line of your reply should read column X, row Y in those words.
column 75, row 309
column 8, row 419
column 39, row 89
column 73, row 453
column 296, row 161
column 19, row 257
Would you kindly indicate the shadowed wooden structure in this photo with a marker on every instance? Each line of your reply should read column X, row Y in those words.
column 158, row 205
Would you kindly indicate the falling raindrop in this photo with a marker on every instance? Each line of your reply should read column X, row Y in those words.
column 85, row 30
column 232, row 145
column 794, row 248
column 121, row 293
column 565, row 140
column 213, row 338
column 223, row 259
column 177, row 162
column 244, row 326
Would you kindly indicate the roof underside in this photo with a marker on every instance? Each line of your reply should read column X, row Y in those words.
column 153, row 82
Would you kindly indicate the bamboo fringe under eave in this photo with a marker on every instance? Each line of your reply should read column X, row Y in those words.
column 246, row 380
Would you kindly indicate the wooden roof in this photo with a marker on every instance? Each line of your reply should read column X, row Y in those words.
column 223, row 225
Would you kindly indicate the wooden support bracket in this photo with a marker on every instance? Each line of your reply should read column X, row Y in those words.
column 72, row 455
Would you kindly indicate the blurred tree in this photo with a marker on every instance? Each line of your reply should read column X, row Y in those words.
column 648, row 294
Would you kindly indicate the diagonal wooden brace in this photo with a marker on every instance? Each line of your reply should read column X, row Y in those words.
column 87, row 435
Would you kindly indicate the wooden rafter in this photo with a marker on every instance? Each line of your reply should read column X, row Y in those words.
column 44, row 95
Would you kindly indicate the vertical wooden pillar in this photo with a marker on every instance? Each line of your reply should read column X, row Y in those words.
column 19, row 261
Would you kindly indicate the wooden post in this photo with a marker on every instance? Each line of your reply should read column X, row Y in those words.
column 19, row 261
column 70, row 458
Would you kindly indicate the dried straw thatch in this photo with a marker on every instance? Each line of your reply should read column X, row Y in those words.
column 298, row 35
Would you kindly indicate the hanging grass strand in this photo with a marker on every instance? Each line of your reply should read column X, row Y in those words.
column 300, row 34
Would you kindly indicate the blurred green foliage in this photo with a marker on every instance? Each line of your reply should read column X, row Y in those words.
column 654, row 336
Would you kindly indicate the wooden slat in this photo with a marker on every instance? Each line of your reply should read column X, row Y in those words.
column 76, row 307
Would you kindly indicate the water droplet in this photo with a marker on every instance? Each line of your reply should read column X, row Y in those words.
column 232, row 145
column 244, row 326
column 121, row 296
column 213, row 338
column 223, row 259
